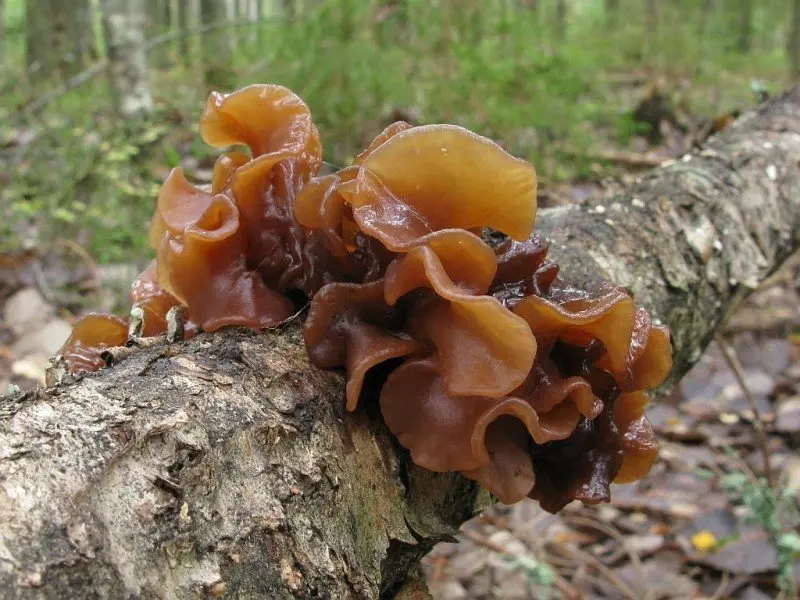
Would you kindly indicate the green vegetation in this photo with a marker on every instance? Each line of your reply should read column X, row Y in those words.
column 775, row 511
column 72, row 169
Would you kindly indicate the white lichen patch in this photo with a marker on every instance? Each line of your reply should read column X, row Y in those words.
column 702, row 238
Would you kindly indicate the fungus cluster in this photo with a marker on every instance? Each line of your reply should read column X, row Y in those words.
column 420, row 256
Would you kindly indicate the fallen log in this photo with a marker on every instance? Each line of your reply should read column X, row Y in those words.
column 227, row 467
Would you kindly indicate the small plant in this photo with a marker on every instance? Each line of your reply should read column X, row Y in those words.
column 775, row 511
column 537, row 573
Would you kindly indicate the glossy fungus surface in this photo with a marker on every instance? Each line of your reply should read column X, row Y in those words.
column 93, row 334
column 422, row 269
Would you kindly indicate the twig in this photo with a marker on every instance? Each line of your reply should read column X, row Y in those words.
column 733, row 362
column 563, row 586
column 722, row 588
column 601, row 568
column 597, row 524
column 626, row 159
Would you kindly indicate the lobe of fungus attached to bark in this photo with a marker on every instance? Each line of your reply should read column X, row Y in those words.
column 420, row 256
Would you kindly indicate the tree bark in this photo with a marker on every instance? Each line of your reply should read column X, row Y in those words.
column 128, row 73
column 58, row 37
column 226, row 466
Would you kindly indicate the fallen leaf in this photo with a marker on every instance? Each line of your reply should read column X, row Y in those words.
column 787, row 419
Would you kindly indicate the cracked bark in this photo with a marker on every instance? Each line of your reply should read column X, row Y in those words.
column 227, row 467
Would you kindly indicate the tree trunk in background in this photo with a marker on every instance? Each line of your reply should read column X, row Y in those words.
column 261, row 36
column 706, row 8
column 2, row 34
column 153, row 20
column 227, row 466
column 216, row 47
column 793, row 45
column 183, row 24
column 347, row 18
column 561, row 20
column 611, row 10
column 745, row 29
column 38, row 44
column 123, row 22
column 651, row 17
column 58, row 36
column 95, row 50
column 651, row 29
column 288, row 9
column 165, row 18
column 159, row 20
column 72, row 26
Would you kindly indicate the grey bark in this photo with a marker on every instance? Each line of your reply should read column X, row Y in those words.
column 226, row 466
column 123, row 24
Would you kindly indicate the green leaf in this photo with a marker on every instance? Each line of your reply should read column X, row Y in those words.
column 62, row 214
column 790, row 542
column 173, row 156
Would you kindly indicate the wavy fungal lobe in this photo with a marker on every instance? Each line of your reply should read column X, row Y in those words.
column 424, row 276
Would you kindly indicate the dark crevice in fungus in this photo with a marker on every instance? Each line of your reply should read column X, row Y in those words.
column 419, row 258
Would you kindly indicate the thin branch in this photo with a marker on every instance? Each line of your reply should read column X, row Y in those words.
column 598, row 525
column 733, row 362
column 599, row 567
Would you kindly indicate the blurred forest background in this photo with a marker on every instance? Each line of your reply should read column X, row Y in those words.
column 99, row 99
